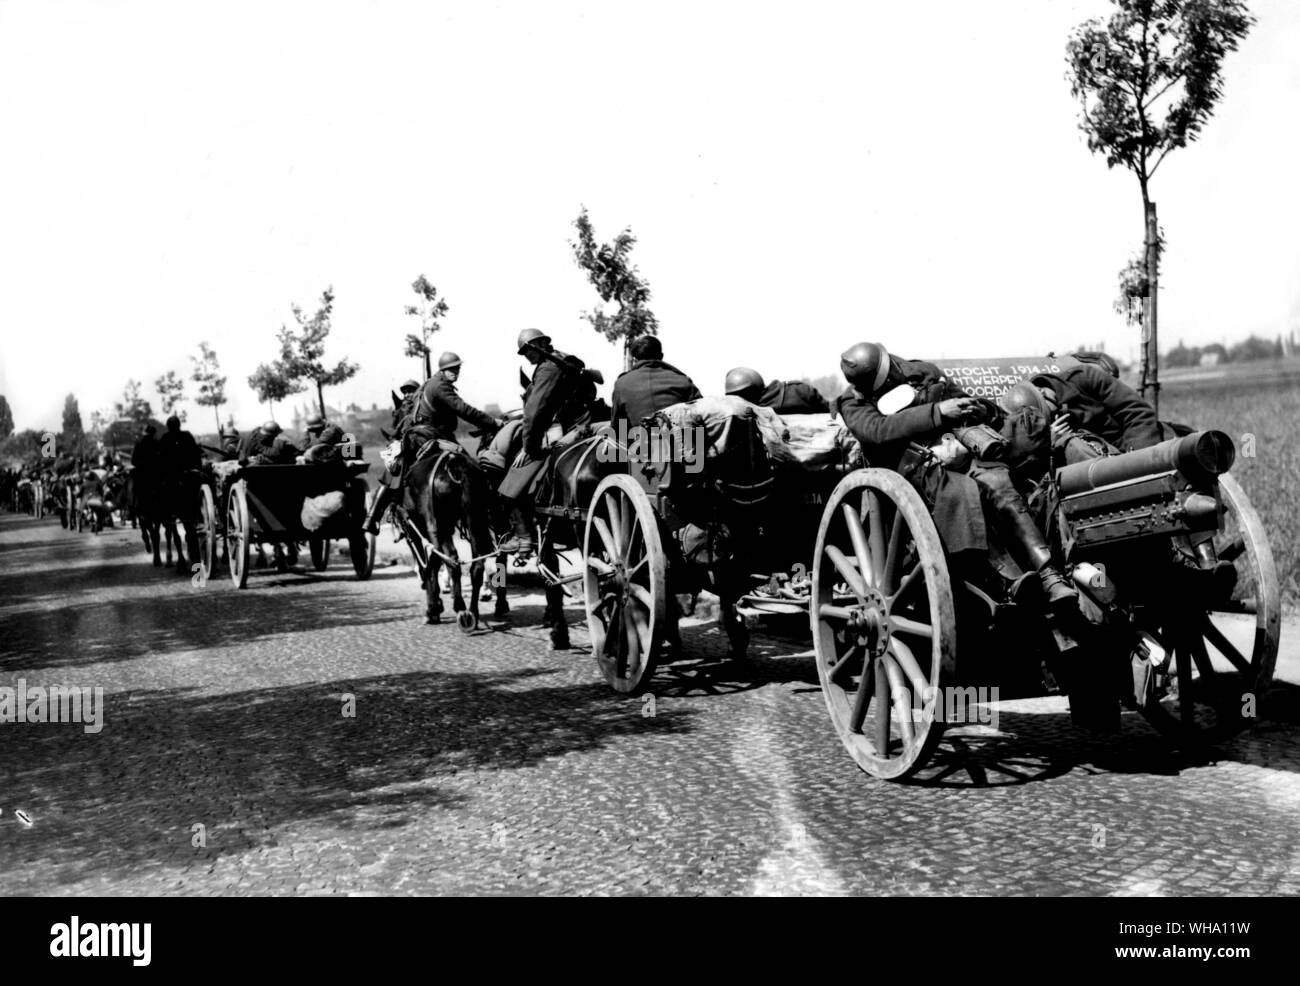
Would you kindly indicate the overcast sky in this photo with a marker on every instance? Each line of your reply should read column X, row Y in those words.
column 800, row 176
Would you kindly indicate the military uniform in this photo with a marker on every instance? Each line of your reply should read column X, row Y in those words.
column 558, row 393
column 649, row 386
column 952, row 497
column 439, row 408
column 793, row 397
column 1104, row 406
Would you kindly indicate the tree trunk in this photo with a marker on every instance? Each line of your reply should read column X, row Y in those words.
column 428, row 364
column 320, row 395
column 1150, row 325
column 216, row 413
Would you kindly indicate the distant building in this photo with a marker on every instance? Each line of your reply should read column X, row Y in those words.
column 1210, row 358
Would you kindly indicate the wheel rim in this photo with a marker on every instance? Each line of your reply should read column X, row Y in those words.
column 884, row 640
column 624, row 582
column 237, row 536
column 1222, row 662
column 208, row 535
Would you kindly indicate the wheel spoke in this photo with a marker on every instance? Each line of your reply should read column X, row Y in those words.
column 882, row 710
column 606, row 537
column 892, row 554
column 859, row 538
column 903, row 625
column 847, row 571
column 1224, row 646
column 902, row 705
column 633, row 645
column 854, row 651
column 862, row 698
column 834, row 612
column 632, row 572
column 599, row 565
column 876, row 538
column 908, row 665
column 615, row 510
column 914, row 573
column 641, row 627
column 628, row 518
column 642, row 595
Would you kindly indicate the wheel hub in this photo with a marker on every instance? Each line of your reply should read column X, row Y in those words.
column 869, row 622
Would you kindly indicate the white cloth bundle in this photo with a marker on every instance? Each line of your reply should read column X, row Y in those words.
column 316, row 510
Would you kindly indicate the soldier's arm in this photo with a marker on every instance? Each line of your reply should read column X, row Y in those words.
column 813, row 397
column 465, row 410
column 872, row 428
column 1141, row 427
column 616, row 408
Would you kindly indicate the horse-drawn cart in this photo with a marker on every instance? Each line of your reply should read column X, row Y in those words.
column 282, row 505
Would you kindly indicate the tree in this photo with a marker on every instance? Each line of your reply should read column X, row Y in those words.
column 1148, row 80
column 615, row 279
column 132, row 407
column 302, row 355
column 271, row 384
column 212, row 385
column 6, row 418
column 171, row 391
column 428, row 312
column 73, row 434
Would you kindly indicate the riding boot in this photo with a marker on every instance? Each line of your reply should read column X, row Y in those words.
column 1019, row 528
column 522, row 540
column 382, row 499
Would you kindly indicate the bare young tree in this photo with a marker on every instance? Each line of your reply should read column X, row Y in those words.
column 302, row 355
column 212, row 385
column 171, row 391
column 1148, row 80
column 430, row 311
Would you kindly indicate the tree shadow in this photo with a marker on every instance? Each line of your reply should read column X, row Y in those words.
column 243, row 764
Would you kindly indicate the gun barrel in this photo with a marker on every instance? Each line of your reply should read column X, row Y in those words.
column 1199, row 457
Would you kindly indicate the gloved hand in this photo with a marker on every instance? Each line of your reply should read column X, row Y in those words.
column 522, row 459
column 958, row 410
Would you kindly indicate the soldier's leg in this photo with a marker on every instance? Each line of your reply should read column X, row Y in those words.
column 383, row 497
column 1024, row 538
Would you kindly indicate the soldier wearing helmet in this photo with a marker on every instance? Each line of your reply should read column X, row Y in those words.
column 650, row 384
column 782, row 396
column 899, row 439
column 562, row 392
column 439, row 408
column 315, row 425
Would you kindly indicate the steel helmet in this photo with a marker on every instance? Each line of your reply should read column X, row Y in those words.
column 866, row 366
column 1025, row 393
column 448, row 361
column 532, row 337
column 270, row 428
column 315, row 422
column 741, row 380
column 408, row 386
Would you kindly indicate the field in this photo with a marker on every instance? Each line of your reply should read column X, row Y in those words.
column 1259, row 399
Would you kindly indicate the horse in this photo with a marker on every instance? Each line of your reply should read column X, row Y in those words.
column 162, row 502
column 445, row 492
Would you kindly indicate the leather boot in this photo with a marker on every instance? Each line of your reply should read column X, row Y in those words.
column 1027, row 540
column 522, row 540
column 382, row 499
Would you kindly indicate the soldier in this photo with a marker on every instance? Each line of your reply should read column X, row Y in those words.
column 561, row 391
column 782, row 396
column 144, row 457
column 900, row 441
column 410, row 392
column 439, row 408
column 650, row 385
column 1089, row 398
column 177, row 450
column 315, row 425
column 389, row 483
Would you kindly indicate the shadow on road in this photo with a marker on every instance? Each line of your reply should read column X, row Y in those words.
column 243, row 764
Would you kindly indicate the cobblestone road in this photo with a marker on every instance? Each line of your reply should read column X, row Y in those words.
column 484, row 764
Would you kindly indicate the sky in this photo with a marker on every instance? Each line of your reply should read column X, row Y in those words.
column 799, row 177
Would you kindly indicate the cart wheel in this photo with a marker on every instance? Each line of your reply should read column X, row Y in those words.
column 237, row 534
column 207, row 533
column 624, row 576
column 1222, row 662
column 320, row 548
column 883, row 622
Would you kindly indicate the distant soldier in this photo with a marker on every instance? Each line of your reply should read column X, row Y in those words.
column 389, row 483
column 177, row 450
column 439, row 408
column 782, row 396
column 144, row 456
column 650, row 385
column 315, row 425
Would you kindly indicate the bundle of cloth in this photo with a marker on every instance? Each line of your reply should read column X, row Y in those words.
column 810, row 441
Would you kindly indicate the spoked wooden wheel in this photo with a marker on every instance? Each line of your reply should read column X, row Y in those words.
column 883, row 622
column 237, row 534
column 361, row 545
column 207, row 533
column 1223, row 654
column 320, row 553
column 624, row 575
